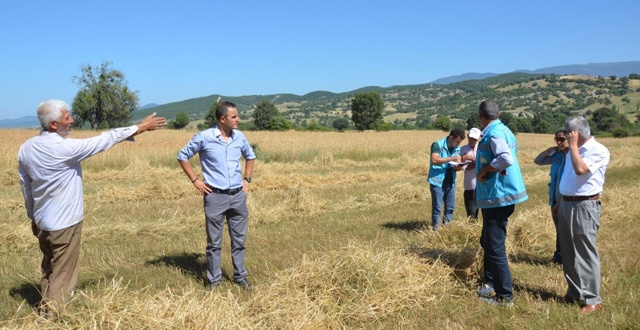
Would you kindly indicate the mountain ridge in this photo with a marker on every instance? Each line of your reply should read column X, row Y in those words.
column 202, row 104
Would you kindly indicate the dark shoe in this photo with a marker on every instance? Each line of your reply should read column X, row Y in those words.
column 586, row 309
column 213, row 285
column 557, row 258
column 570, row 300
column 244, row 283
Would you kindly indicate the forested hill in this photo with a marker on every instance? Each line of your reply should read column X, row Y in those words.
column 522, row 95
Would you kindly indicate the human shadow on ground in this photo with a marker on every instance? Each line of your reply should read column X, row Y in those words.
column 410, row 225
column 462, row 261
column 538, row 293
column 190, row 263
column 28, row 291
column 530, row 259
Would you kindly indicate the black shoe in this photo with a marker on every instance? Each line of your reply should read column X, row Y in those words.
column 244, row 283
column 213, row 285
column 557, row 258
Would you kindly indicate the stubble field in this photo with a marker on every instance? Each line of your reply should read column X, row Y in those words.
column 338, row 238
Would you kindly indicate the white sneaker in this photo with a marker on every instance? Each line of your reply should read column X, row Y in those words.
column 486, row 291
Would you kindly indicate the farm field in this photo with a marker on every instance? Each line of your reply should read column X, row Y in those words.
column 339, row 237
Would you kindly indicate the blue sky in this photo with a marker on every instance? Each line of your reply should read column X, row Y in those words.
column 171, row 51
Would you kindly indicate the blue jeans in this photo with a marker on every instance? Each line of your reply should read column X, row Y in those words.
column 446, row 193
column 496, row 265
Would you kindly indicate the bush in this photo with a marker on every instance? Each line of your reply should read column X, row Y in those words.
column 621, row 132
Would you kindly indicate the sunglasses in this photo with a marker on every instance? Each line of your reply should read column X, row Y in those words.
column 560, row 139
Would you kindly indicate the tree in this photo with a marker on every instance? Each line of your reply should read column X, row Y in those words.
column 210, row 119
column 443, row 123
column 473, row 120
column 104, row 99
column 341, row 124
column 366, row 109
column 181, row 121
column 267, row 117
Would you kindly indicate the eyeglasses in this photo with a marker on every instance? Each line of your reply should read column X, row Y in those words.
column 566, row 132
column 560, row 139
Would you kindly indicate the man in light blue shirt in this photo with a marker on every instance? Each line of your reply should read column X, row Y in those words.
column 224, row 189
column 51, row 183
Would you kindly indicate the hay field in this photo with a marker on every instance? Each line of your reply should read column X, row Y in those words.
column 338, row 238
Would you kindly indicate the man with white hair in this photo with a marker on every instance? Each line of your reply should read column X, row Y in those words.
column 51, row 182
column 581, row 184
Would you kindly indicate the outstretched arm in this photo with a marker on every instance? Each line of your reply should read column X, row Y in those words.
column 150, row 123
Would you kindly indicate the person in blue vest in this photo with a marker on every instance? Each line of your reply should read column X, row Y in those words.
column 555, row 157
column 499, row 187
column 445, row 161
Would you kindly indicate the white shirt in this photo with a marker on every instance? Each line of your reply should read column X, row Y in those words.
column 596, row 157
column 51, row 176
column 469, row 171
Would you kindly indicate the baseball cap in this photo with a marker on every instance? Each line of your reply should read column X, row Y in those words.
column 474, row 133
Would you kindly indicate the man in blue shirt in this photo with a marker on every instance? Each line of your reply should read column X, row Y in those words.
column 445, row 161
column 499, row 186
column 51, row 182
column 224, row 189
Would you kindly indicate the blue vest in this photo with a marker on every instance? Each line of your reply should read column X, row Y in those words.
column 557, row 166
column 501, row 188
column 437, row 172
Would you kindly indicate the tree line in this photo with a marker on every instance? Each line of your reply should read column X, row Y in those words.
column 104, row 100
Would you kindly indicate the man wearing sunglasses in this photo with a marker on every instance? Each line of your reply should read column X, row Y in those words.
column 554, row 156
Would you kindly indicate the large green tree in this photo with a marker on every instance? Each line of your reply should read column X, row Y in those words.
column 181, row 121
column 267, row 117
column 366, row 109
column 104, row 99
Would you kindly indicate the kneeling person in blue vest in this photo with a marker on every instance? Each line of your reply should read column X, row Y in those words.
column 445, row 162
column 499, row 187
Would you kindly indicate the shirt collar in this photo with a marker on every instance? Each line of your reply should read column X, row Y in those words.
column 217, row 132
column 589, row 142
column 494, row 122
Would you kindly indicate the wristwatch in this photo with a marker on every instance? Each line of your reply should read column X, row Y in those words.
column 248, row 179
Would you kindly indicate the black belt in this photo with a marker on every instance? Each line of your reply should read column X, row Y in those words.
column 225, row 191
column 581, row 198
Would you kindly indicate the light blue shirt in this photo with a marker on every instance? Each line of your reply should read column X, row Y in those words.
column 219, row 159
column 51, row 176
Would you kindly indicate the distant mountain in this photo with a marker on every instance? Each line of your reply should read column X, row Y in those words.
column 22, row 122
column 322, row 102
column 147, row 106
column 464, row 77
column 618, row 69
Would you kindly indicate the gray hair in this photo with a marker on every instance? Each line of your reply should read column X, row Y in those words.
column 489, row 110
column 578, row 123
column 50, row 110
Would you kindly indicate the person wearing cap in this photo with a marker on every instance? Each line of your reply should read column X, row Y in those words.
column 499, row 187
column 224, row 188
column 581, row 184
column 554, row 156
column 445, row 160
column 468, row 153
column 50, row 170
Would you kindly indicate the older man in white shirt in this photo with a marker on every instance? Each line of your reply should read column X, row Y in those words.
column 581, row 184
column 51, row 182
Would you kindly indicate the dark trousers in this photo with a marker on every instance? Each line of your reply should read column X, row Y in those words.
column 557, row 254
column 470, row 203
column 496, row 265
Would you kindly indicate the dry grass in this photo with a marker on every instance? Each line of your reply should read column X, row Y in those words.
column 338, row 239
